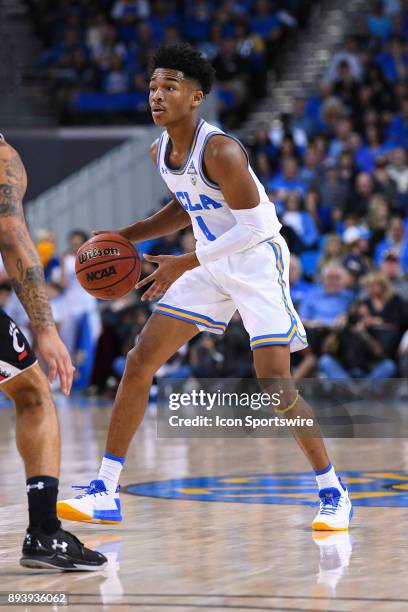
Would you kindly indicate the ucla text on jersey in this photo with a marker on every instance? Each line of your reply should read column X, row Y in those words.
column 197, row 194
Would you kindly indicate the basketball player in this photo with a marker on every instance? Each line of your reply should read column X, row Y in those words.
column 241, row 262
column 46, row 544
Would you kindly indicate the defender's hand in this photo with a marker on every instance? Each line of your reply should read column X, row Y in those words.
column 170, row 268
column 57, row 358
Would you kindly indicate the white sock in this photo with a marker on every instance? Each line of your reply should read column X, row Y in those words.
column 110, row 470
column 327, row 478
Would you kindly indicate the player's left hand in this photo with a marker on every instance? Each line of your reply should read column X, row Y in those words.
column 56, row 356
column 170, row 268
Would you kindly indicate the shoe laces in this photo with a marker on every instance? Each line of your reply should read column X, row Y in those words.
column 92, row 488
column 330, row 501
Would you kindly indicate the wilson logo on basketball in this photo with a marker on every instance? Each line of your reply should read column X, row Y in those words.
column 99, row 274
column 108, row 266
column 93, row 253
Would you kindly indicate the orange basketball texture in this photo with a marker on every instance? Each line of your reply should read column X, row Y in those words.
column 108, row 266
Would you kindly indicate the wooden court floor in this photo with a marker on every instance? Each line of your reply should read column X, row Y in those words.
column 188, row 554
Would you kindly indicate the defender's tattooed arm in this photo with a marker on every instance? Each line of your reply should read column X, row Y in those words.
column 19, row 253
column 24, row 268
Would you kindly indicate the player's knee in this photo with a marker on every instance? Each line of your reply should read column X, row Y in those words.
column 31, row 392
column 281, row 390
column 138, row 364
column 30, row 398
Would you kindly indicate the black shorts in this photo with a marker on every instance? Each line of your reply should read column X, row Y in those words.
column 16, row 355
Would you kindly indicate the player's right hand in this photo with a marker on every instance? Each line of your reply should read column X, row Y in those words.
column 57, row 358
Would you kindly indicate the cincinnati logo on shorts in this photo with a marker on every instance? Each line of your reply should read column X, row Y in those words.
column 20, row 348
column 99, row 274
column 93, row 253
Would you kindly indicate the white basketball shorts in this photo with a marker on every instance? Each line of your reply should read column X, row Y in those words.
column 255, row 282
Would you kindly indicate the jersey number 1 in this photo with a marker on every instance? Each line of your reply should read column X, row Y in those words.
column 204, row 228
column 206, row 203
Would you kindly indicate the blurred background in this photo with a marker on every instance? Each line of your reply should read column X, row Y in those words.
column 316, row 90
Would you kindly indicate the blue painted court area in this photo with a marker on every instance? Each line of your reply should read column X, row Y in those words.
column 387, row 488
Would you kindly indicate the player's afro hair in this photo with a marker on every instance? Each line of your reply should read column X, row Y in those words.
column 183, row 57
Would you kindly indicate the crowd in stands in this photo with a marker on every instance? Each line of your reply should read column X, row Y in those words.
column 97, row 52
column 336, row 168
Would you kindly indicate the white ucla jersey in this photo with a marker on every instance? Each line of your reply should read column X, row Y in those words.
column 202, row 199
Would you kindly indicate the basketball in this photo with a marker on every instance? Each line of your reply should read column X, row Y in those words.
column 108, row 266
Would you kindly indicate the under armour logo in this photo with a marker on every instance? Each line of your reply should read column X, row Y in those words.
column 40, row 485
column 63, row 546
column 164, row 170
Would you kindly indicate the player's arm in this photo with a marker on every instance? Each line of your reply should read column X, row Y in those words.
column 225, row 164
column 24, row 268
column 171, row 218
column 19, row 253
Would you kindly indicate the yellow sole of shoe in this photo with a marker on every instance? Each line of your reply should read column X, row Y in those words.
column 325, row 527
column 68, row 513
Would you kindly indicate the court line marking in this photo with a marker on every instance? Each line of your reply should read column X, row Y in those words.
column 248, row 596
column 198, row 606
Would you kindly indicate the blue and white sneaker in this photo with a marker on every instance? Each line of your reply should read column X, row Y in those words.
column 94, row 505
column 335, row 510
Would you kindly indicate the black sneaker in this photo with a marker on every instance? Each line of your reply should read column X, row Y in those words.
column 59, row 550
